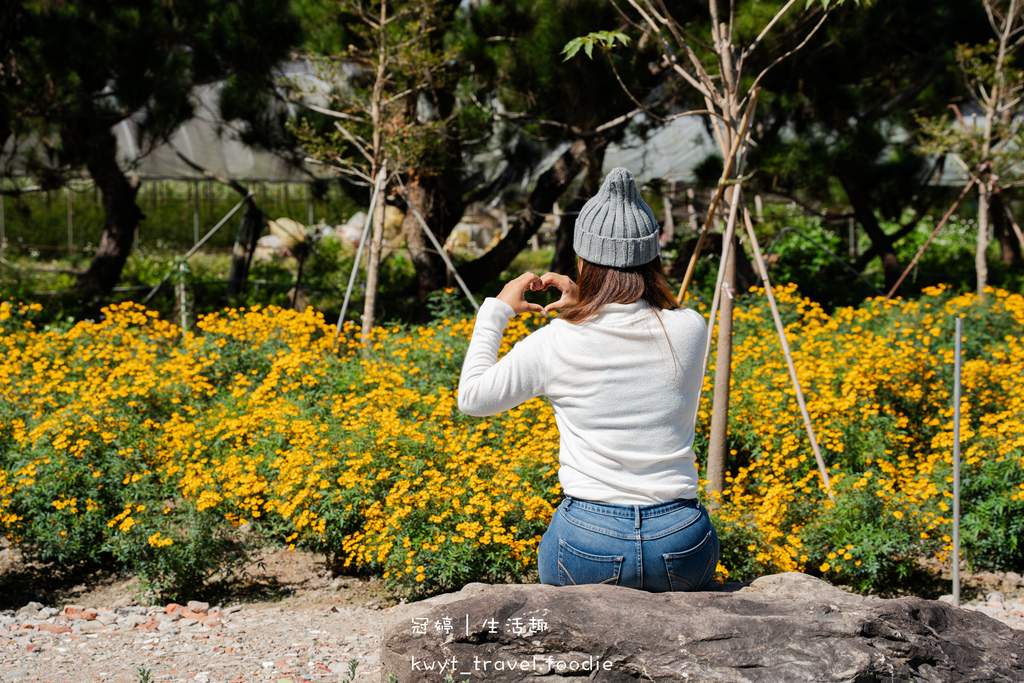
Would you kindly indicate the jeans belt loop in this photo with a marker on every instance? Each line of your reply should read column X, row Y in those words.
column 636, row 516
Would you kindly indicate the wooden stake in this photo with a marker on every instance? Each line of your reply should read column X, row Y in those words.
column 781, row 329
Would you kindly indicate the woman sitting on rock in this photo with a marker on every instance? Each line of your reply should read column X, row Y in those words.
column 622, row 369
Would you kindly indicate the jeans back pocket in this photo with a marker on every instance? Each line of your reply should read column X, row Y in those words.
column 691, row 569
column 576, row 568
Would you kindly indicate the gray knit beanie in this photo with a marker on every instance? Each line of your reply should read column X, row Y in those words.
column 616, row 227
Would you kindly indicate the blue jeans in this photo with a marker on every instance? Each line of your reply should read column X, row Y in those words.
column 669, row 546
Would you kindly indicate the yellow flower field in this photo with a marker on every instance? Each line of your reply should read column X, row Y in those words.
column 125, row 440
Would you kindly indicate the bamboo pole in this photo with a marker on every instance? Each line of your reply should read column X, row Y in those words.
column 935, row 232
column 727, row 240
column 723, row 182
column 781, row 329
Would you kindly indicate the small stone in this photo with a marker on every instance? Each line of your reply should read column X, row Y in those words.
column 186, row 622
column 200, row 607
column 107, row 618
column 55, row 628
column 166, row 627
column 15, row 674
column 87, row 626
column 947, row 599
column 172, row 608
column 132, row 620
column 30, row 611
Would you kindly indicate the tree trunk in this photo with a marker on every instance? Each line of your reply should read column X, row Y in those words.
column 881, row 243
column 440, row 204
column 1009, row 247
column 718, row 444
column 249, row 229
column 122, row 216
column 550, row 186
column 373, row 266
column 980, row 263
column 564, row 258
column 745, row 278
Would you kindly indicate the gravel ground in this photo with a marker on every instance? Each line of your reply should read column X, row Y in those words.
column 308, row 626
column 175, row 643
column 290, row 621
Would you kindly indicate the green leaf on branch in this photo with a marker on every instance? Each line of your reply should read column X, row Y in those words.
column 605, row 39
column 826, row 3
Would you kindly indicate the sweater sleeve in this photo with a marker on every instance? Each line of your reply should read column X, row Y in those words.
column 488, row 386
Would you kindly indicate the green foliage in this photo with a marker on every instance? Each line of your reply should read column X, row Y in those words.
column 887, row 549
column 604, row 39
column 202, row 549
column 399, row 49
column 993, row 517
column 448, row 303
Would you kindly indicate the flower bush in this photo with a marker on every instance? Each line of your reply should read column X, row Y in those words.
column 174, row 454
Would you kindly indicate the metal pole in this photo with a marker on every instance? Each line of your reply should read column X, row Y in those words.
column 309, row 205
column 444, row 256
column 852, row 239
column 181, row 297
column 956, row 464
column 3, row 227
column 71, row 222
column 359, row 254
column 195, row 213
column 198, row 244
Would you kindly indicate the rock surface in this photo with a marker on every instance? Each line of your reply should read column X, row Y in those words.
column 785, row 627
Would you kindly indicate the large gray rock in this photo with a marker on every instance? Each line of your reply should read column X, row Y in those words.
column 780, row 628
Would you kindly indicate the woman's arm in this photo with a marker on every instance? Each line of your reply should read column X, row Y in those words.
column 488, row 386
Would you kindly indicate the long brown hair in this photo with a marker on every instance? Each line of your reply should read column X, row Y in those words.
column 600, row 285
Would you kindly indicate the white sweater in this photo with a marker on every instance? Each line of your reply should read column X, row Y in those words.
column 624, row 392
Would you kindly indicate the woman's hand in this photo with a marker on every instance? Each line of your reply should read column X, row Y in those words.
column 563, row 284
column 514, row 293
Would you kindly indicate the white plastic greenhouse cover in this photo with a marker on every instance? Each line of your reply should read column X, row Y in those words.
column 206, row 139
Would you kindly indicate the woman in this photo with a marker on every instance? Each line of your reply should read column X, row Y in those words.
column 622, row 369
